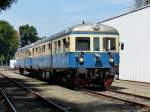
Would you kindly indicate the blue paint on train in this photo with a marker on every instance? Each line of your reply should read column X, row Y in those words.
column 90, row 60
column 60, row 60
column 28, row 62
column 69, row 60
column 20, row 63
column 35, row 62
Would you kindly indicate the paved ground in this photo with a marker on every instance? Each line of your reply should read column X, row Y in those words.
column 142, row 89
column 74, row 101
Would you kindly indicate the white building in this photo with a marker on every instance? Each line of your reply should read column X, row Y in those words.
column 134, row 29
column 141, row 3
column 12, row 64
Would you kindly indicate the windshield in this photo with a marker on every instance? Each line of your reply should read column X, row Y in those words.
column 82, row 43
column 109, row 44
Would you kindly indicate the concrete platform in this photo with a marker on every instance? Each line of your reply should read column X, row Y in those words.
column 137, row 88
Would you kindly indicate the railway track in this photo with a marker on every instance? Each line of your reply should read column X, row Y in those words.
column 19, row 98
column 5, row 104
column 140, row 84
column 126, row 97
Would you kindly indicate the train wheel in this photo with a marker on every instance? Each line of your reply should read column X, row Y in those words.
column 80, row 81
column 77, row 80
column 107, row 83
column 31, row 73
column 40, row 74
column 21, row 70
column 35, row 73
column 70, row 81
column 51, row 77
column 44, row 75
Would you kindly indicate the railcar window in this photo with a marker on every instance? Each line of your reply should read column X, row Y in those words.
column 30, row 53
column 49, row 46
column 39, row 50
column 43, row 48
column 59, row 46
column 82, row 43
column 64, row 45
column 25, row 53
column 55, row 49
column 109, row 44
column 36, row 50
column 96, row 44
column 33, row 51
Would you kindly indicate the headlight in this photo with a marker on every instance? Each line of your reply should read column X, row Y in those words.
column 111, row 60
column 81, row 60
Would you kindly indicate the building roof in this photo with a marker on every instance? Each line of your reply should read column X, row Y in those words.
column 135, row 10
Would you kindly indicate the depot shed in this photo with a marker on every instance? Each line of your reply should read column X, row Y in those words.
column 134, row 29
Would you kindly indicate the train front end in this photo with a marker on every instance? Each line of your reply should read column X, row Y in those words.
column 95, row 56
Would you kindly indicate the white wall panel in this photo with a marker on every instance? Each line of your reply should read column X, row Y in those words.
column 134, row 29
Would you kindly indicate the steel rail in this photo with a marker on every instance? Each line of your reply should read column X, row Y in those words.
column 114, row 97
column 146, row 84
column 131, row 94
column 61, row 109
column 10, row 105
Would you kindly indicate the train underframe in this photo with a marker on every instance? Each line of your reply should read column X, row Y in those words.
column 101, row 78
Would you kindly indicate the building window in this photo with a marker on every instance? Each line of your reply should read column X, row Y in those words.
column 146, row 2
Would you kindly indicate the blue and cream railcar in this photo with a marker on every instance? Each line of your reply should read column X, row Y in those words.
column 24, row 59
column 85, row 54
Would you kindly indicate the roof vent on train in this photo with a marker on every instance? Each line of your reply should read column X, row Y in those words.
column 96, row 27
column 67, row 30
column 83, row 22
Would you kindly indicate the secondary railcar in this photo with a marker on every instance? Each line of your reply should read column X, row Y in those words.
column 80, row 56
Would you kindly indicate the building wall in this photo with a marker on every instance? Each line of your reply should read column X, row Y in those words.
column 134, row 29
column 141, row 3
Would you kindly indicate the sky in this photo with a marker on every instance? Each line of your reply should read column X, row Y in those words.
column 52, row 16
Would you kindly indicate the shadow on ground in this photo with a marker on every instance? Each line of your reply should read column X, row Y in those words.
column 93, row 106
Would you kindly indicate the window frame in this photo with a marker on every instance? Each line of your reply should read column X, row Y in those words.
column 58, row 46
column 95, row 44
column 105, row 44
column 89, row 43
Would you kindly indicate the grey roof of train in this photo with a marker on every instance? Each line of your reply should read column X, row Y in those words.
column 87, row 28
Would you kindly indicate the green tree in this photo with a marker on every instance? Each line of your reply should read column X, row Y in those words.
column 5, row 4
column 2, row 59
column 28, row 34
column 8, row 40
